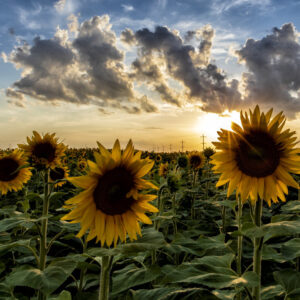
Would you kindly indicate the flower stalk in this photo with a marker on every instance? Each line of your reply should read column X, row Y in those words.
column 257, row 254
column 239, row 241
column 105, row 277
column 43, row 243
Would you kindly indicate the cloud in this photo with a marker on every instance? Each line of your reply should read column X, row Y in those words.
column 83, row 65
column 127, row 8
column 60, row 5
column 202, row 80
column 273, row 63
column 147, row 105
column 221, row 6
column 88, row 69
column 127, row 37
column 14, row 94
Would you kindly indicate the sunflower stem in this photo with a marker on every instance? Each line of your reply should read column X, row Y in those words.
column 43, row 243
column 298, row 258
column 239, row 241
column 174, row 213
column 223, row 215
column 82, row 270
column 257, row 255
column 193, row 198
column 105, row 277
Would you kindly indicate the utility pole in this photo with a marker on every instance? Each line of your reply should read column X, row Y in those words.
column 203, row 136
column 170, row 148
column 181, row 146
column 163, row 149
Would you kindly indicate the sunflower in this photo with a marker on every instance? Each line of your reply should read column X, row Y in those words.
column 256, row 159
column 58, row 173
column 196, row 160
column 208, row 152
column 65, row 161
column 11, row 177
column 163, row 169
column 158, row 158
column 82, row 164
column 43, row 151
column 182, row 161
column 110, row 205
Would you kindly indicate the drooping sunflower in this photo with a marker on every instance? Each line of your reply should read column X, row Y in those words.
column 163, row 169
column 256, row 159
column 43, row 151
column 182, row 161
column 11, row 177
column 110, row 205
column 196, row 160
column 58, row 173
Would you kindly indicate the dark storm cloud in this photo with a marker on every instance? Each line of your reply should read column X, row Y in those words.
column 87, row 70
column 127, row 37
column 203, row 81
column 273, row 63
column 145, row 69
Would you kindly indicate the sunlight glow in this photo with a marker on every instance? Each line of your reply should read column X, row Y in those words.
column 210, row 123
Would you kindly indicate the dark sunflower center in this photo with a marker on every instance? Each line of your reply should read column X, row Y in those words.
column 110, row 193
column 195, row 160
column 57, row 173
column 257, row 154
column 8, row 167
column 44, row 150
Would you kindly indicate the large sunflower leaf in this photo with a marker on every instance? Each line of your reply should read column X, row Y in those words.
column 47, row 281
column 21, row 243
column 132, row 276
column 151, row 239
column 289, row 279
column 291, row 249
column 166, row 293
column 64, row 295
column 212, row 271
column 197, row 247
column 272, row 291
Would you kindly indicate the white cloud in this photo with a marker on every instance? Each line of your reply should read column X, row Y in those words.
column 127, row 8
column 60, row 5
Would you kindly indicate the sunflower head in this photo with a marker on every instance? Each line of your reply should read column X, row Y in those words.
column 196, row 160
column 256, row 159
column 158, row 158
column 12, row 175
column 182, row 161
column 163, row 169
column 65, row 160
column 111, row 204
column 208, row 152
column 43, row 151
column 58, row 173
column 173, row 182
column 82, row 165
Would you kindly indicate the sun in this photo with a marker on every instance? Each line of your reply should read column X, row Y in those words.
column 210, row 123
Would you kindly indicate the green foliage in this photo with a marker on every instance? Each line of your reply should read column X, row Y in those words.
column 197, row 262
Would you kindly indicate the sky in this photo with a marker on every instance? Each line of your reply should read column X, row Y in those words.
column 164, row 73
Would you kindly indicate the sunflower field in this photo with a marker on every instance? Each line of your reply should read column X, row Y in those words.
column 222, row 223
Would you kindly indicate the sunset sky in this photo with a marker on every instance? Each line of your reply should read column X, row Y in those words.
column 159, row 72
